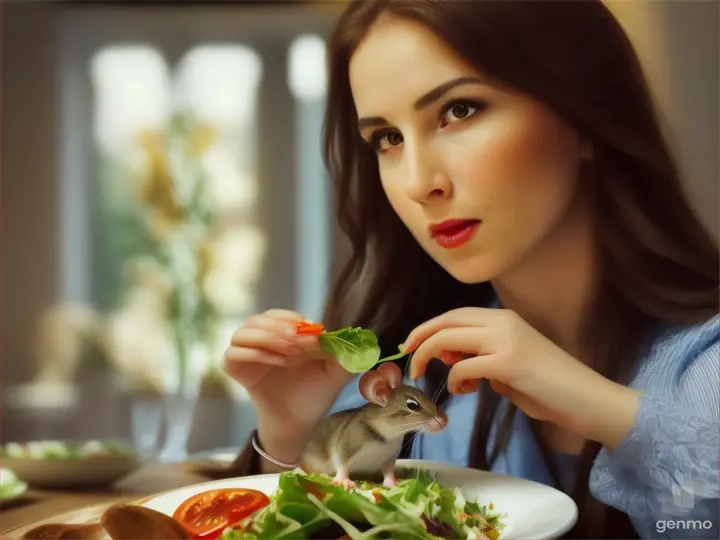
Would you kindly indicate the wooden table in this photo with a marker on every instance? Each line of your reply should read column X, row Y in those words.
column 40, row 504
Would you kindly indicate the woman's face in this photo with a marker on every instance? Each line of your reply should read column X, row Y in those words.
column 480, row 175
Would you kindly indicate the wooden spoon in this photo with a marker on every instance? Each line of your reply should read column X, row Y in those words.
column 66, row 531
column 133, row 522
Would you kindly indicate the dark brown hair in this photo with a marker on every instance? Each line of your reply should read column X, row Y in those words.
column 658, row 265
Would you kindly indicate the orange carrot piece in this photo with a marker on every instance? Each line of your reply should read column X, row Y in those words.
column 308, row 328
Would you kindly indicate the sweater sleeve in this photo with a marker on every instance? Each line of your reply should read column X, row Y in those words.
column 665, row 474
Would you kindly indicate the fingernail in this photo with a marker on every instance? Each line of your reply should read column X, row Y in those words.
column 306, row 341
column 277, row 361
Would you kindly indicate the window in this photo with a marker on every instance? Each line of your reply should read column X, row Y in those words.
column 177, row 183
column 158, row 106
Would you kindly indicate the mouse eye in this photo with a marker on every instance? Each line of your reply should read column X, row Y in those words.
column 412, row 404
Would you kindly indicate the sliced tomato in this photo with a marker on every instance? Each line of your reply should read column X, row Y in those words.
column 207, row 514
column 308, row 328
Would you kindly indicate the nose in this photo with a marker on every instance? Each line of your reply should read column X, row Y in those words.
column 438, row 423
column 426, row 179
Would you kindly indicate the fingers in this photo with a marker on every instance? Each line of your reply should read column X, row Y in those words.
column 282, row 327
column 501, row 388
column 265, row 331
column 473, row 317
column 285, row 315
column 464, row 375
column 450, row 340
column 258, row 338
column 450, row 358
column 235, row 355
column 269, row 338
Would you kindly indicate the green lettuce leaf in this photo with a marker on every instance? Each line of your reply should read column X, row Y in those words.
column 11, row 487
column 306, row 504
column 356, row 349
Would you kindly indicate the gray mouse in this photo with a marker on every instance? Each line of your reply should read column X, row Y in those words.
column 368, row 439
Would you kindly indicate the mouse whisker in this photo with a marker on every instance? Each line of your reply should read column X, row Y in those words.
column 439, row 390
column 412, row 426
column 412, row 423
column 410, row 441
column 407, row 364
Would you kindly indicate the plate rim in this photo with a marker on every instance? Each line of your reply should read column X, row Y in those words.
column 555, row 533
column 399, row 463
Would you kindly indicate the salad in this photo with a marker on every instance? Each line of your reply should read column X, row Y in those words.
column 11, row 486
column 63, row 450
column 308, row 506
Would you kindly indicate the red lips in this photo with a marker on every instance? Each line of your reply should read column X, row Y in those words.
column 454, row 232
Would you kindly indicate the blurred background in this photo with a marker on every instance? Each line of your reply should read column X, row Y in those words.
column 162, row 180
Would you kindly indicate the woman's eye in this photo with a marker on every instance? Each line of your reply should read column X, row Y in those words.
column 386, row 140
column 459, row 110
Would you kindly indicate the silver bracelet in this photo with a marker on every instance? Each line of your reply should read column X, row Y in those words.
column 283, row 464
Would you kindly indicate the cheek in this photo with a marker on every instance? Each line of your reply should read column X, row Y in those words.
column 525, row 169
column 393, row 184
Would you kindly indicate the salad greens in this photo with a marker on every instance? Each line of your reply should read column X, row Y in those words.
column 307, row 506
column 356, row 349
column 11, row 486
column 64, row 450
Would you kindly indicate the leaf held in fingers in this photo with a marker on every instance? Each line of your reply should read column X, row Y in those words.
column 397, row 356
column 356, row 349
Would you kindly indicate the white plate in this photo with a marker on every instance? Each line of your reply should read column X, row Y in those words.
column 218, row 456
column 72, row 473
column 532, row 510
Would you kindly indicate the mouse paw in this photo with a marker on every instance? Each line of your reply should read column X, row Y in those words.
column 389, row 480
column 343, row 479
column 345, row 482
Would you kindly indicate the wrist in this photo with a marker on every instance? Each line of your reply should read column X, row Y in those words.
column 282, row 442
column 613, row 414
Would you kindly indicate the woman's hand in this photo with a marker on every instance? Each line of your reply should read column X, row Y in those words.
column 291, row 382
column 528, row 369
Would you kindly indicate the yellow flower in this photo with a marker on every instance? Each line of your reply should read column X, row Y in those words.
column 201, row 140
column 205, row 260
column 156, row 190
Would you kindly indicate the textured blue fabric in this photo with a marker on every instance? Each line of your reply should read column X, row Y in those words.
column 666, row 472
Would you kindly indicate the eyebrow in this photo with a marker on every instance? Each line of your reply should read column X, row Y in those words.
column 423, row 101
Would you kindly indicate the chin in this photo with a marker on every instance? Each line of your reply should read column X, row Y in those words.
column 472, row 271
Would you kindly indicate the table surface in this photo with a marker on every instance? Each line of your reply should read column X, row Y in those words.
column 38, row 505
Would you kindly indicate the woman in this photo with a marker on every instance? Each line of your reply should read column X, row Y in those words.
column 514, row 212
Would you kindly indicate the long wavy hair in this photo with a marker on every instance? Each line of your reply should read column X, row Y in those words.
column 658, row 264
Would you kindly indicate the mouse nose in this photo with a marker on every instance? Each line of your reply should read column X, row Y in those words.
column 438, row 423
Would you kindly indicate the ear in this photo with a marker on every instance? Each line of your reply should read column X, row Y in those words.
column 392, row 374
column 374, row 387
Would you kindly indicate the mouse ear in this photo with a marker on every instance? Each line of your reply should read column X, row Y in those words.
column 374, row 387
column 392, row 374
